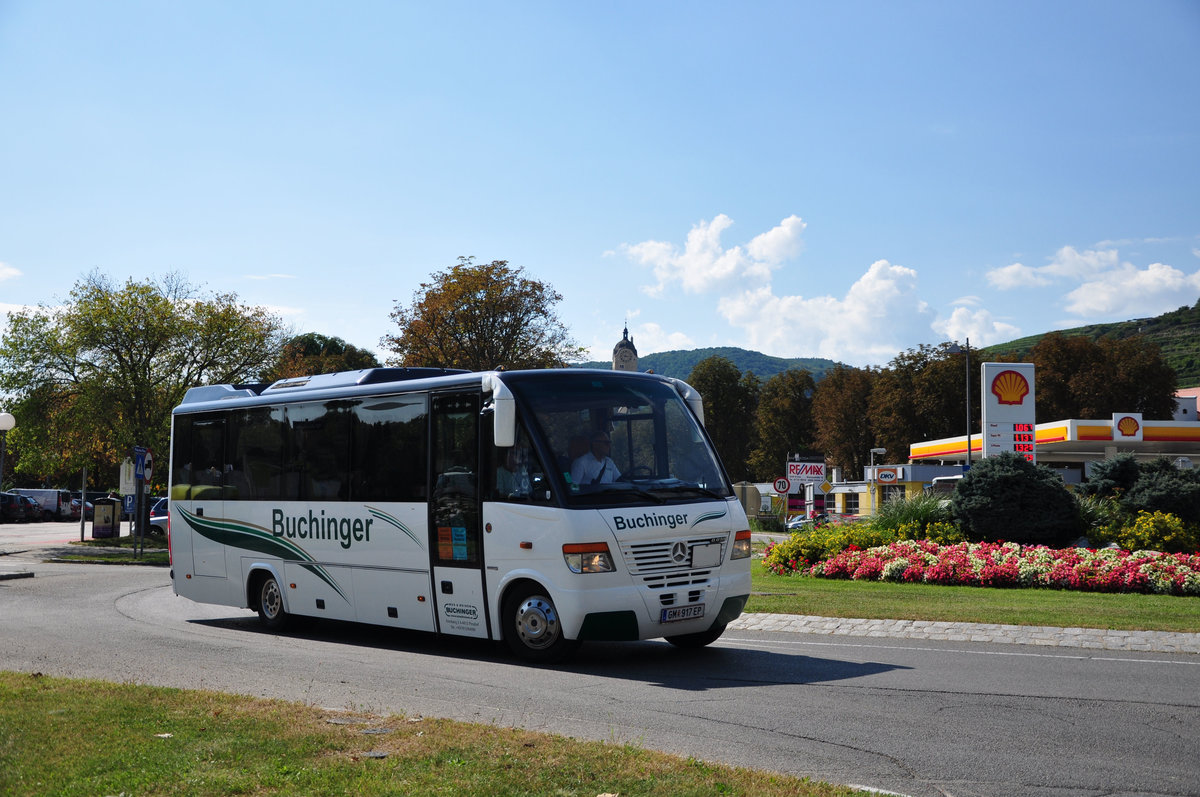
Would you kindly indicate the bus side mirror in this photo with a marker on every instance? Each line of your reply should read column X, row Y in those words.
column 504, row 415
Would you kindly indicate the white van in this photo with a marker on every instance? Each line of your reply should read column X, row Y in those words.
column 56, row 504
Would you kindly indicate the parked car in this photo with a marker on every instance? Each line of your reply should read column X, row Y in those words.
column 798, row 523
column 158, row 516
column 87, row 512
column 55, row 504
column 12, row 508
column 33, row 510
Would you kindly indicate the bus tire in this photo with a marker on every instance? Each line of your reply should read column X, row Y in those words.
column 532, row 629
column 699, row 639
column 269, row 602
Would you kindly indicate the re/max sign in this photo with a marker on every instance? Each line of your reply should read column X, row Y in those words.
column 806, row 471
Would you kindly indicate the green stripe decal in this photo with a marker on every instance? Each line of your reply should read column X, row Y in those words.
column 247, row 536
column 708, row 516
column 392, row 520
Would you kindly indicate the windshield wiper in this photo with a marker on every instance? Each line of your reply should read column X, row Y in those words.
column 612, row 491
column 681, row 488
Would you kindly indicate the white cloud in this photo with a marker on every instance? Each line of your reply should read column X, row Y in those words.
column 876, row 318
column 8, row 272
column 779, row 244
column 1016, row 275
column 651, row 337
column 705, row 264
column 1130, row 291
column 1067, row 263
column 980, row 326
column 1071, row 263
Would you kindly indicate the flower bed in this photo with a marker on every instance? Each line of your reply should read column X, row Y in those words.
column 1009, row 565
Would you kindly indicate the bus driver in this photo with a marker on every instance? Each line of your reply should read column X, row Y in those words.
column 595, row 466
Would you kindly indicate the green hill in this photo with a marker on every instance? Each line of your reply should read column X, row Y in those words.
column 1177, row 334
column 680, row 363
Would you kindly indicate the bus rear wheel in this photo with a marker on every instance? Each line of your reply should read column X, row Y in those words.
column 270, row 604
column 532, row 629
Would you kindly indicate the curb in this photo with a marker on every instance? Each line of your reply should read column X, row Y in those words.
column 1045, row 636
column 15, row 574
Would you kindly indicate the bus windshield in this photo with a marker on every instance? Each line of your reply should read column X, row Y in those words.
column 620, row 439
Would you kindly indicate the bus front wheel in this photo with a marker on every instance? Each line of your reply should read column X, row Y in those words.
column 532, row 629
column 270, row 604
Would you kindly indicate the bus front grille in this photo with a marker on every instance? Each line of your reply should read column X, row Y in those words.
column 674, row 557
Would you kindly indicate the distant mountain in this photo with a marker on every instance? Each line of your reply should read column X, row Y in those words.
column 681, row 362
column 1177, row 334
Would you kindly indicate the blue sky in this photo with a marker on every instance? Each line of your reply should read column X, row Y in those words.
column 844, row 180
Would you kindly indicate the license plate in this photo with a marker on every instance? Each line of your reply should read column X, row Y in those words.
column 677, row 613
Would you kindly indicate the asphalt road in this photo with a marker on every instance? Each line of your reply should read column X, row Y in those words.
column 911, row 717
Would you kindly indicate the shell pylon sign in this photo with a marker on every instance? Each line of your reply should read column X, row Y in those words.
column 1009, row 419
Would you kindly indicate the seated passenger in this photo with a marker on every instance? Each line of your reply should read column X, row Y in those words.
column 595, row 466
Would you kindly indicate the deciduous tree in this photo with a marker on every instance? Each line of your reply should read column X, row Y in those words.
column 102, row 373
column 480, row 317
column 840, row 411
column 784, row 422
column 313, row 353
column 729, row 401
column 1078, row 377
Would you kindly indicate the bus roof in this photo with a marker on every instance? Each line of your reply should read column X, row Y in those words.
column 370, row 381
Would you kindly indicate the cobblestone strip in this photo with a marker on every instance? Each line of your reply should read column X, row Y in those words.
column 1090, row 638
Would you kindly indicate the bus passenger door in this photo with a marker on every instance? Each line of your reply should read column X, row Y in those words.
column 456, row 544
column 207, row 501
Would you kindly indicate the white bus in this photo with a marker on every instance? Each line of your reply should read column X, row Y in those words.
column 443, row 501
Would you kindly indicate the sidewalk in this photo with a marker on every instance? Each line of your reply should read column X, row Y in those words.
column 1048, row 636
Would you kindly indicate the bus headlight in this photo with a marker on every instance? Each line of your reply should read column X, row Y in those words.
column 588, row 557
column 741, row 545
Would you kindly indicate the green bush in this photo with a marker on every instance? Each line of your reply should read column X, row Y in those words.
column 1165, row 489
column 943, row 532
column 1009, row 498
column 825, row 541
column 1149, row 531
column 1111, row 478
column 1154, row 486
column 1097, row 513
column 919, row 510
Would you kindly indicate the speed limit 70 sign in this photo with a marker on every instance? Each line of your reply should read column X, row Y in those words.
column 782, row 485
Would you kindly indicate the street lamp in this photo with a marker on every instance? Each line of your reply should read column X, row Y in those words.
column 7, row 421
column 874, row 451
column 954, row 349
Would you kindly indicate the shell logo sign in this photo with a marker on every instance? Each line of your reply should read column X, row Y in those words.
column 1128, row 427
column 1010, row 387
column 1009, row 394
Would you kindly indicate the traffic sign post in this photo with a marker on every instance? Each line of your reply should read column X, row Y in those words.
column 783, row 486
column 143, row 466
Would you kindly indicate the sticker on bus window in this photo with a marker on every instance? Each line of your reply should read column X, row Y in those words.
column 445, row 543
column 460, row 543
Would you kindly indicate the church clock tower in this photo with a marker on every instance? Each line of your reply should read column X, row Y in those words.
column 625, row 356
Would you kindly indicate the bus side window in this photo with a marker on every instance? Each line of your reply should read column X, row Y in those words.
column 517, row 473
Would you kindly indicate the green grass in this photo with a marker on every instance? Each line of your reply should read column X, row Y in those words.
column 119, row 551
column 891, row 601
column 69, row 737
